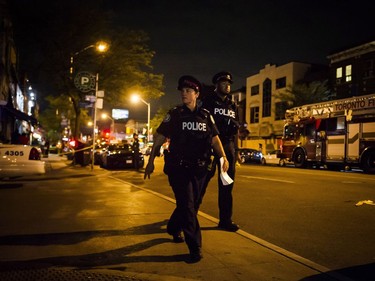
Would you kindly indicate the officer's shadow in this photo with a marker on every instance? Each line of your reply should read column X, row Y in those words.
column 110, row 257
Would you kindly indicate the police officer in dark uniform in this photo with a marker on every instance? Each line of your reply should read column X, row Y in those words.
column 192, row 134
column 225, row 114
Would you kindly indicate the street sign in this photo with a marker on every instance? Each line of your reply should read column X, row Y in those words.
column 84, row 81
column 90, row 98
column 85, row 104
column 100, row 94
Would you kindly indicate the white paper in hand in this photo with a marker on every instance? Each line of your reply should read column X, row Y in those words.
column 225, row 178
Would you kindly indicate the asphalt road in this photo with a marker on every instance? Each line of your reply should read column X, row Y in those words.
column 309, row 212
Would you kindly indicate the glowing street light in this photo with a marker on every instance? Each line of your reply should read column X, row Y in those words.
column 136, row 98
column 100, row 47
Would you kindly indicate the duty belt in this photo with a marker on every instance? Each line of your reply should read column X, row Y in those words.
column 226, row 139
column 192, row 164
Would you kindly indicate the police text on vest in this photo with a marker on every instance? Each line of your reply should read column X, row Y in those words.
column 194, row 126
column 225, row 112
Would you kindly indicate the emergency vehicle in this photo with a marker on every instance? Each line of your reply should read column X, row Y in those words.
column 337, row 134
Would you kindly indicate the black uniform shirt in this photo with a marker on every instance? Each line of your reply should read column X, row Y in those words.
column 225, row 114
column 190, row 133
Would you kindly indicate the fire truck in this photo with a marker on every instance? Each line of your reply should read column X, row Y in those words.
column 337, row 134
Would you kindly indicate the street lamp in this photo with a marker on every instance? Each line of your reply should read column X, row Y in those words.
column 135, row 98
column 101, row 47
column 105, row 116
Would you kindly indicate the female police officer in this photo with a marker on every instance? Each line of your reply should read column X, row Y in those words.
column 192, row 134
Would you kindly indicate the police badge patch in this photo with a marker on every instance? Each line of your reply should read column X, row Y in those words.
column 167, row 118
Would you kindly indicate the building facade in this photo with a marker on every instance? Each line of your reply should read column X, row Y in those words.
column 352, row 71
column 265, row 114
column 17, row 100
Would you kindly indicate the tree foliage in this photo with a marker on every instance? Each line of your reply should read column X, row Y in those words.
column 158, row 118
column 57, row 31
column 304, row 93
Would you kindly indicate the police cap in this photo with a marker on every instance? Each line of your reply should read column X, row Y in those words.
column 222, row 76
column 188, row 81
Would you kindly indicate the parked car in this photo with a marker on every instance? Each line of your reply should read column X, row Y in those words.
column 69, row 152
column 55, row 148
column 119, row 156
column 271, row 158
column 250, row 155
column 98, row 155
column 17, row 160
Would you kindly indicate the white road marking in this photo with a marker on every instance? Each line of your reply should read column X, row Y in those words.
column 267, row 179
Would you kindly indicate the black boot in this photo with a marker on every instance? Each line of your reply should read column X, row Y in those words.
column 195, row 254
column 178, row 238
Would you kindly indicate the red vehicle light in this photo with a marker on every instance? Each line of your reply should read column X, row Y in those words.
column 34, row 154
column 73, row 143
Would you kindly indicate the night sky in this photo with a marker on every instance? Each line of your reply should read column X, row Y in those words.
column 207, row 36
column 202, row 37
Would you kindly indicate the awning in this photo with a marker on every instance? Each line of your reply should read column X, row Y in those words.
column 21, row 115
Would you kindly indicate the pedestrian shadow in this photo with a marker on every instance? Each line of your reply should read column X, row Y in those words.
column 10, row 185
column 212, row 228
column 70, row 238
column 358, row 273
column 112, row 257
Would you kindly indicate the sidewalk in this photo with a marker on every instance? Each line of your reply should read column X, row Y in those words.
column 143, row 251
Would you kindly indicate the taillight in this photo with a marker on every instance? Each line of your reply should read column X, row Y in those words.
column 73, row 143
column 34, row 154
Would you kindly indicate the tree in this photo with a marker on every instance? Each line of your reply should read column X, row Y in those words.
column 63, row 29
column 158, row 118
column 304, row 93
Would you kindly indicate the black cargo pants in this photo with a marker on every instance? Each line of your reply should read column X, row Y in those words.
column 187, row 185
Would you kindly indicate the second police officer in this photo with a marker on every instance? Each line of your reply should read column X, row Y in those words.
column 192, row 135
column 225, row 114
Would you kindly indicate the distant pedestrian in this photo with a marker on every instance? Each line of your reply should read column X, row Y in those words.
column 224, row 111
column 46, row 147
column 192, row 134
column 135, row 148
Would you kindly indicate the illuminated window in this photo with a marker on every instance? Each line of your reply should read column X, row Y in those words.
column 339, row 72
column 348, row 73
column 338, row 75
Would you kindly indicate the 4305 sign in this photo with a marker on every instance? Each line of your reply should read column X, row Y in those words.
column 13, row 153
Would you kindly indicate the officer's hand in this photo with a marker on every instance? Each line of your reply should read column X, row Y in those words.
column 238, row 156
column 225, row 165
column 149, row 170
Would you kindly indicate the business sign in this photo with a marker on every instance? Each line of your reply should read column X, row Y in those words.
column 85, row 81
column 120, row 113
